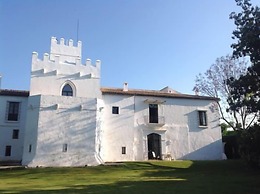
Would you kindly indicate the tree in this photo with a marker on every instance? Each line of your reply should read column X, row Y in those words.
column 213, row 83
column 245, row 91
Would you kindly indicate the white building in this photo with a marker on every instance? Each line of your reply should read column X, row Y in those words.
column 67, row 119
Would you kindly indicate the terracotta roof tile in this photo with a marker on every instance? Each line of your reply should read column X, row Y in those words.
column 153, row 93
column 6, row 92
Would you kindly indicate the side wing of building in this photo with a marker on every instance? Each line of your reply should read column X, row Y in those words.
column 140, row 125
column 13, row 108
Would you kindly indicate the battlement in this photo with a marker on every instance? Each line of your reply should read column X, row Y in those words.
column 56, row 60
column 69, row 42
column 67, row 53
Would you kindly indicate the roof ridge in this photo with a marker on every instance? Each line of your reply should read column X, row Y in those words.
column 154, row 93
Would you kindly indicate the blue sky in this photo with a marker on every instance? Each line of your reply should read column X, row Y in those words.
column 148, row 43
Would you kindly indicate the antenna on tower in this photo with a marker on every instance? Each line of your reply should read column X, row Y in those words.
column 78, row 30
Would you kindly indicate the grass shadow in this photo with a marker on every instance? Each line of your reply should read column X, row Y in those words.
column 212, row 177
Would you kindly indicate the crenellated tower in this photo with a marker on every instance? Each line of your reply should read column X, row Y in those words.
column 64, row 109
column 63, row 66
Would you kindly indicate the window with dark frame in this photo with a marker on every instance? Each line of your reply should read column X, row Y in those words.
column 115, row 110
column 202, row 118
column 153, row 113
column 8, row 150
column 13, row 111
column 16, row 134
column 30, row 148
column 65, row 147
column 123, row 150
column 67, row 90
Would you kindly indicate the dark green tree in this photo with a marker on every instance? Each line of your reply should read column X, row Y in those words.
column 245, row 91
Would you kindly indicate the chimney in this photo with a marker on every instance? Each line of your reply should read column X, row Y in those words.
column 125, row 88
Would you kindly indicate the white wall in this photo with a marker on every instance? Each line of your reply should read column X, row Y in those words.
column 7, row 127
column 181, row 136
column 61, row 120
column 118, row 129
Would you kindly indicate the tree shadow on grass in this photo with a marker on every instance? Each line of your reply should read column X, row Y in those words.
column 154, row 178
column 121, row 187
column 160, row 178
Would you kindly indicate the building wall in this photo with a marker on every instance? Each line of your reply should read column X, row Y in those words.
column 7, row 127
column 118, row 129
column 80, row 130
column 181, row 135
column 61, row 120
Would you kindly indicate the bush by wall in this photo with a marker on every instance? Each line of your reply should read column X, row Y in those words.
column 249, row 146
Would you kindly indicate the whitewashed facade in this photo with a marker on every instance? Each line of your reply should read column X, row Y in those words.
column 69, row 120
column 12, row 124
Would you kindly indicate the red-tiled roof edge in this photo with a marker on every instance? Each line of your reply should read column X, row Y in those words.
column 154, row 93
column 7, row 92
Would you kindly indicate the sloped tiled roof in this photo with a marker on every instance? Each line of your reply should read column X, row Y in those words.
column 153, row 93
column 119, row 91
column 6, row 92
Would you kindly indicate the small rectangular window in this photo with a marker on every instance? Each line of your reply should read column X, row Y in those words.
column 202, row 118
column 123, row 150
column 8, row 150
column 15, row 134
column 65, row 147
column 13, row 111
column 30, row 148
column 115, row 110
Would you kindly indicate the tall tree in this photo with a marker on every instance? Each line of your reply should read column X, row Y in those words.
column 246, row 90
column 213, row 83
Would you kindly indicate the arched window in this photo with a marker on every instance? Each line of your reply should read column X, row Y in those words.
column 67, row 90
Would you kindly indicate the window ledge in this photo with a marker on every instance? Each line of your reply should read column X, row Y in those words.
column 202, row 126
column 7, row 121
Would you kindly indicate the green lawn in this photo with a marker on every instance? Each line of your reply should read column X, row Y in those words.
column 136, row 177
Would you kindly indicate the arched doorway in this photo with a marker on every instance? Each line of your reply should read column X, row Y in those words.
column 154, row 146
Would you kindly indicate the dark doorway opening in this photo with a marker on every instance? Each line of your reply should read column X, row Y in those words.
column 154, row 146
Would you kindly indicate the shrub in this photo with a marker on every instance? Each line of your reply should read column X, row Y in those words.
column 231, row 145
column 249, row 146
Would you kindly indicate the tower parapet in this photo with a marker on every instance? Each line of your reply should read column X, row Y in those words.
column 64, row 64
column 67, row 52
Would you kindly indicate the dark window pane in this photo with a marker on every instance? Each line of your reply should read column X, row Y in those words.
column 65, row 147
column 115, row 110
column 8, row 150
column 67, row 90
column 123, row 150
column 153, row 113
column 13, row 111
column 15, row 134
column 202, row 118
